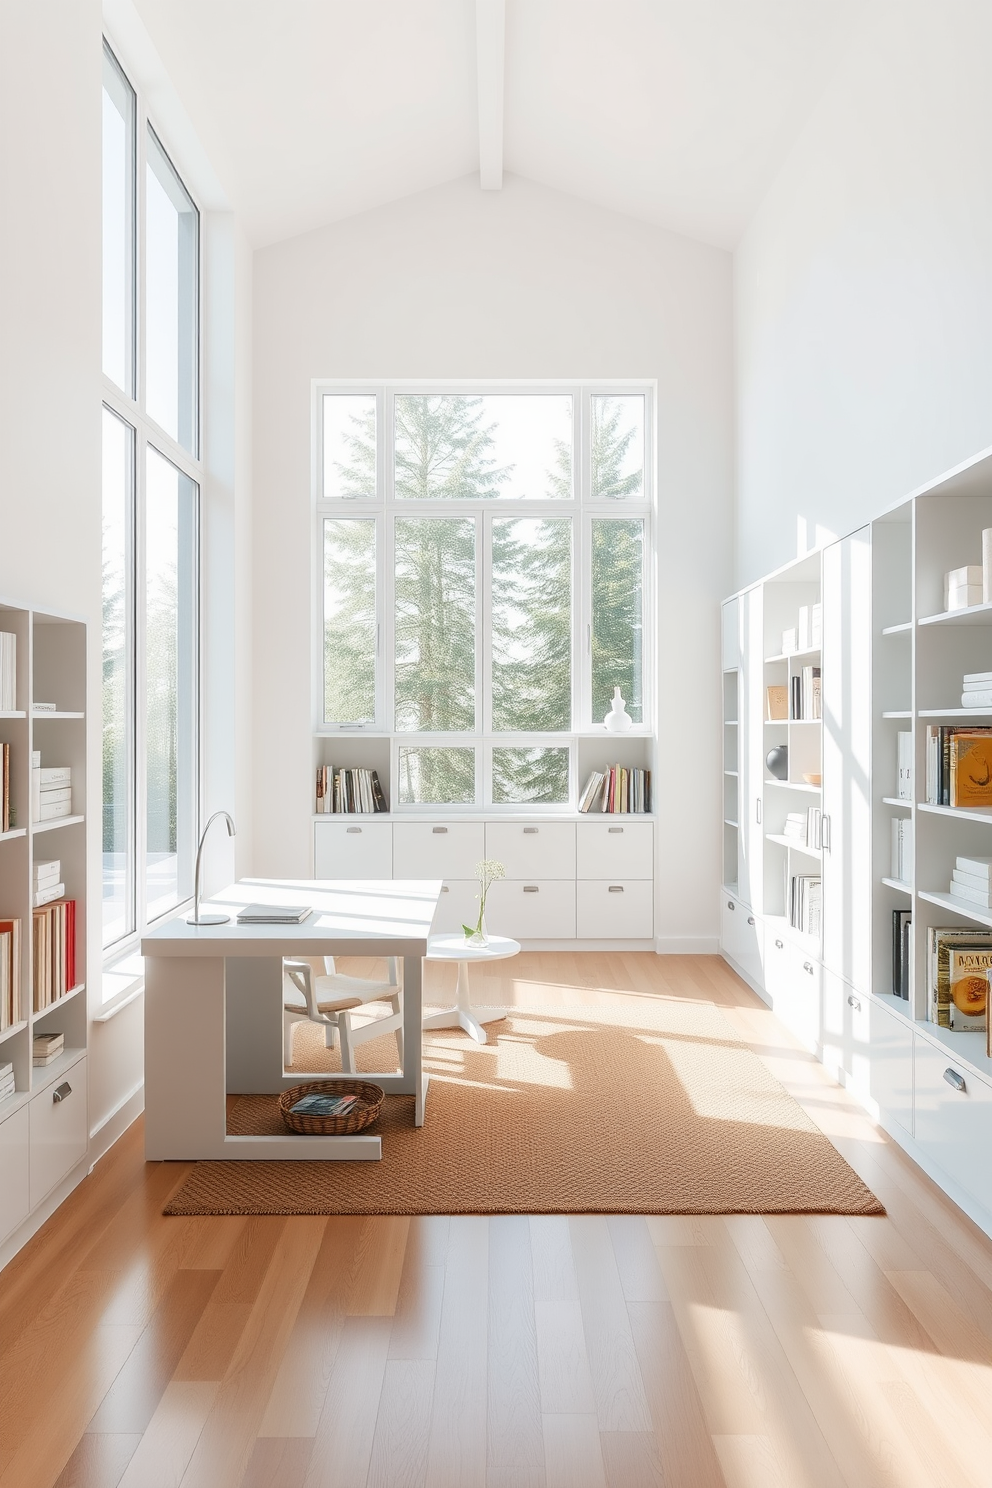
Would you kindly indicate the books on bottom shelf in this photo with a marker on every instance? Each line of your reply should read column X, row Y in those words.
column 46, row 1048
column 946, row 945
column 902, row 922
column 54, row 952
column 620, row 789
column 901, row 866
column 804, row 903
column 7, row 1086
column 8, row 672
column 348, row 792
column 10, row 973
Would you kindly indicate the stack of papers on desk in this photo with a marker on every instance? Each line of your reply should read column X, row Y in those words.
column 273, row 914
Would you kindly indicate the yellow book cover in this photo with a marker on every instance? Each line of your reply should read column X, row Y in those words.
column 969, row 988
column 971, row 769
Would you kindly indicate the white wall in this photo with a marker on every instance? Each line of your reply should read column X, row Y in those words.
column 460, row 283
column 864, row 285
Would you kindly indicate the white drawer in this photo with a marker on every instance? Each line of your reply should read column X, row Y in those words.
column 612, row 849
column 532, row 910
column 57, row 1130
column 845, row 1034
column 741, row 938
column 533, row 850
column 437, row 849
column 891, row 1064
column 347, row 848
column 457, row 906
column 954, row 1127
column 613, row 910
column 793, row 981
column 14, row 1200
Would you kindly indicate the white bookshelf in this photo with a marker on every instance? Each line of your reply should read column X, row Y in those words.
column 43, row 1143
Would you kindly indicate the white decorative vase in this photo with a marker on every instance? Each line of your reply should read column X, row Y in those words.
column 618, row 720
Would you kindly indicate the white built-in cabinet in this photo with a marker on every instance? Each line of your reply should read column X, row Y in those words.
column 589, row 881
column 891, row 661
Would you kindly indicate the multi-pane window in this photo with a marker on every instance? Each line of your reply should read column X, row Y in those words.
column 483, row 562
column 151, row 490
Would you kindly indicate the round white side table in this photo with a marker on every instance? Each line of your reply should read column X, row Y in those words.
column 463, row 1015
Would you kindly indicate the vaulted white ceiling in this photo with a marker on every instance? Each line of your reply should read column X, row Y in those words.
column 678, row 112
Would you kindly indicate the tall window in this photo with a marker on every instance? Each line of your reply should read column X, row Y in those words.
column 482, row 561
column 151, row 489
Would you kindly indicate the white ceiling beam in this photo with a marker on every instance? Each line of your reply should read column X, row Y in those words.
column 490, row 32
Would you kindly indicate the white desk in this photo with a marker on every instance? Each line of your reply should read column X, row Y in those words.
column 194, row 975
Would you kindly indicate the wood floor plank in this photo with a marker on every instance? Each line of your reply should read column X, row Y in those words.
column 515, row 1446
column 631, row 1459
column 377, row 1282
column 457, row 1448
column 572, row 1452
column 750, row 1462
column 620, row 1401
column 279, row 1462
column 97, row 1462
column 563, row 1366
column 171, row 1436
column 210, row 1241
column 250, row 1259
column 402, row 1428
column 342, row 1448
column 417, row 1317
column 637, row 1262
column 211, row 1347
column 685, row 1447
column 551, row 1251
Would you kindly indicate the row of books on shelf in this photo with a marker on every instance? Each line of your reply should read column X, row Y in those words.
column 804, row 900
column 8, row 672
column 54, row 952
column 958, row 963
column 617, row 789
column 10, row 973
column 799, row 701
column 6, row 821
column 806, row 635
column 348, row 791
column 901, row 866
column 902, row 921
column 805, row 828
column 958, row 766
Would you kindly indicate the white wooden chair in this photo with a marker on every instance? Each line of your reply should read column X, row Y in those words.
column 331, row 999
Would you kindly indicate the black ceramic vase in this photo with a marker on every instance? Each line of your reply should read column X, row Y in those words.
column 777, row 760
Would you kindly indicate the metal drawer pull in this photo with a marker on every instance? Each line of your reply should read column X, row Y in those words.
column 730, row 902
column 808, row 966
column 616, row 888
column 353, row 829
column 750, row 919
column 531, row 829
column 444, row 888
column 614, row 829
column 60, row 1094
column 439, row 829
column 853, row 1002
column 531, row 889
column 955, row 1080
column 780, row 945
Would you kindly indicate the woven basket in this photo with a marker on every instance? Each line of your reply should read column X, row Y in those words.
column 362, row 1114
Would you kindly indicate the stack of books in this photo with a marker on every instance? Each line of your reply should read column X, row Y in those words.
column 795, row 827
column 941, row 940
column 901, row 867
column 976, row 690
column 805, row 694
column 902, row 921
column 804, row 902
column 5, row 818
column 619, row 789
column 47, row 1047
column 54, row 952
column 348, row 791
column 904, row 766
column 7, row 1087
column 47, row 885
column 8, row 672
column 10, row 973
column 959, row 766
column 805, row 827
column 963, row 587
column 51, row 790
column 971, row 882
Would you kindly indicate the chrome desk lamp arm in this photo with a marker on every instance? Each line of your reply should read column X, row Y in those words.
column 211, row 919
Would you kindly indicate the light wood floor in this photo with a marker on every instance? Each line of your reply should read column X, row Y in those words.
column 511, row 1352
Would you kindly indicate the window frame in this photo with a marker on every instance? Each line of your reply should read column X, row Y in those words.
column 580, row 509
column 147, row 435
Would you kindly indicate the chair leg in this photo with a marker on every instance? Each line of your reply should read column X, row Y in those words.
column 330, row 1036
column 287, row 1040
column 347, row 1052
column 394, row 1003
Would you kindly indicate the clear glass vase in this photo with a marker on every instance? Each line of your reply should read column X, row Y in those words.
column 480, row 935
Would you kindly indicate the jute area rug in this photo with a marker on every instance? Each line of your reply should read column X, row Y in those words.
column 562, row 1112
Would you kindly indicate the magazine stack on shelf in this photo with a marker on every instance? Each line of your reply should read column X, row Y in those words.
column 959, row 766
column 619, row 789
column 804, row 901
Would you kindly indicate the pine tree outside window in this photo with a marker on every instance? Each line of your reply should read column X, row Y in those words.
column 483, row 560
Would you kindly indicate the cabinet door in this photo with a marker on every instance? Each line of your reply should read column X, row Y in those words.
column 614, row 910
column 349, row 849
column 608, row 849
column 533, row 910
column 751, row 834
column 437, row 849
column 846, row 730
column 14, row 1203
column 457, row 906
column 741, row 938
column 533, row 849
column 58, row 1130
column 891, row 1065
column 953, row 1111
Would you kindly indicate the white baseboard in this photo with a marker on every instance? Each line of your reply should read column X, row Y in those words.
column 687, row 945
column 115, row 1124
column 587, row 945
column 20, row 1237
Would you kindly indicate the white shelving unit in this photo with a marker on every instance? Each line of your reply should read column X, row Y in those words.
column 892, row 658
column 43, row 1141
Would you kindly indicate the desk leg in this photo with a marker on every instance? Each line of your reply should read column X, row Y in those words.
column 413, row 1035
